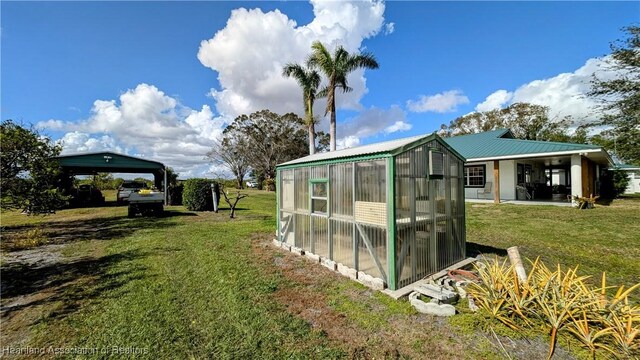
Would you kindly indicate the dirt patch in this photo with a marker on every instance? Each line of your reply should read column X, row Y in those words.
column 40, row 256
column 412, row 335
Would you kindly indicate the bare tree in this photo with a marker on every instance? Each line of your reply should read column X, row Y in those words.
column 232, row 200
column 230, row 151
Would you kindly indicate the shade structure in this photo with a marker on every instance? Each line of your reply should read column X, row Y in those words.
column 110, row 162
column 393, row 210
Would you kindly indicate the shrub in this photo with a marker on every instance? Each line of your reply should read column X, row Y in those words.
column 175, row 194
column 196, row 195
column 269, row 185
column 613, row 183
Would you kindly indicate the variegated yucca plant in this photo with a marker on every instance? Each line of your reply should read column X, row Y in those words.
column 563, row 302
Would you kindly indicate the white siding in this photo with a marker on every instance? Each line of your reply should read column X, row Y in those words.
column 472, row 193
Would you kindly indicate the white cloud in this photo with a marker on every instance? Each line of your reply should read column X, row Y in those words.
column 397, row 126
column 495, row 101
column 389, row 28
column 145, row 122
column 347, row 142
column 75, row 142
column 373, row 121
column 447, row 101
column 250, row 51
column 370, row 122
column 565, row 94
column 248, row 55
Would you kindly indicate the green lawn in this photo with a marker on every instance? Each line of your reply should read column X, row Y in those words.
column 603, row 239
column 198, row 285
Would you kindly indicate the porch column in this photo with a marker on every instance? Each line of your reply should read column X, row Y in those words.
column 496, row 181
column 576, row 175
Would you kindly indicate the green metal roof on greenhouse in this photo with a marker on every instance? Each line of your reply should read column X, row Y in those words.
column 500, row 143
column 385, row 148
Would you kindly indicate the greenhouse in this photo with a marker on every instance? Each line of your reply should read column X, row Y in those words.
column 393, row 210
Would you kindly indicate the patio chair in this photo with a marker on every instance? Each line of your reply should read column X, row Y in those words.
column 484, row 191
column 523, row 193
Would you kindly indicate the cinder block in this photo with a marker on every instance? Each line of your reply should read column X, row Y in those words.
column 378, row 284
column 370, row 281
column 286, row 246
column 436, row 292
column 431, row 308
column 330, row 264
column 365, row 279
column 297, row 250
column 312, row 257
column 347, row 271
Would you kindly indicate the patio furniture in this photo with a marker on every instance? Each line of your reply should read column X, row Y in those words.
column 484, row 191
column 522, row 193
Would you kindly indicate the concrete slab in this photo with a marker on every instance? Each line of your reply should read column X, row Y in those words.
column 437, row 292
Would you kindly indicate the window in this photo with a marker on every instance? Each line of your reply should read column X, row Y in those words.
column 319, row 196
column 474, row 176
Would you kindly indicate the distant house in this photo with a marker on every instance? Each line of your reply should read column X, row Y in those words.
column 500, row 167
column 633, row 172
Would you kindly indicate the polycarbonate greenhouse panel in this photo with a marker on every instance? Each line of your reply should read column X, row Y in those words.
column 301, row 189
column 429, row 213
column 341, row 190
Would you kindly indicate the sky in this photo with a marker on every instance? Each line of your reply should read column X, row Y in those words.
column 161, row 80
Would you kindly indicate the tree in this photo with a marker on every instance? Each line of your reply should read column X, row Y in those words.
column 526, row 121
column 336, row 68
column 231, row 200
column 270, row 139
column 231, row 152
column 103, row 181
column 309, row 81
column 620, row 97
column 30, row 174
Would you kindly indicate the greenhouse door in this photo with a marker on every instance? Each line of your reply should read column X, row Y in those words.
column 319, row 217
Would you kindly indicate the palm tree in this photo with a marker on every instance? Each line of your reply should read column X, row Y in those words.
column 309, row 81
column 336, row 69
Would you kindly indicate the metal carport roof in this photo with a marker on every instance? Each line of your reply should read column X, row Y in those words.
column 106, row 161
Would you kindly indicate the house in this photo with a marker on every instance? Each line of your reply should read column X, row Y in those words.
column 633, row 172
column 500, row 167
column 385, row 214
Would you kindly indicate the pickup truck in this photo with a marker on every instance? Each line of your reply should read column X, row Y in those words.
column 126, row 189
column 145, row 203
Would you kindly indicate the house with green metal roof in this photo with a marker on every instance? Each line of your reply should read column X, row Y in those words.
column 500, row 167
column 633, row 172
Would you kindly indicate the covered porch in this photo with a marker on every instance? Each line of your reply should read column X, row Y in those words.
column 552, row 179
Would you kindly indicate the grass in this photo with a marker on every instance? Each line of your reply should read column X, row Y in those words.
column 606, row 238
column 171, row 288
column 198, row 285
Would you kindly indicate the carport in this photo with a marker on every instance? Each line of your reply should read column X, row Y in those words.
column 109, row 162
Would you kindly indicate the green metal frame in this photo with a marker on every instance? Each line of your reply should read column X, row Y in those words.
column 278, row 190
column 317, row 181
column 391, row 223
